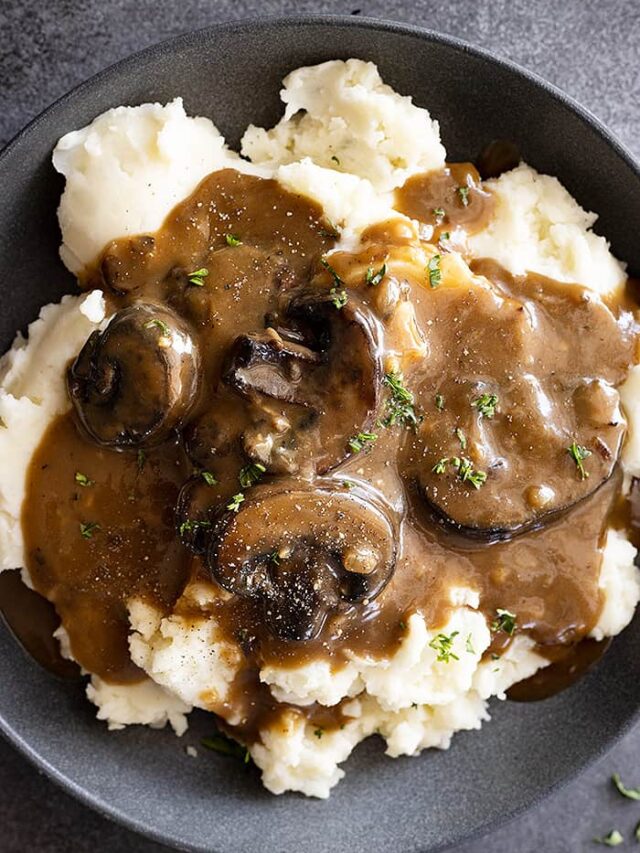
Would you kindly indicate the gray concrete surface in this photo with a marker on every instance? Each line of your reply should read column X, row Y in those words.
column 590, row 48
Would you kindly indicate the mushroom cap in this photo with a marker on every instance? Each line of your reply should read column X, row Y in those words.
column 324, row 365
column 136, row 381
column 303, row 553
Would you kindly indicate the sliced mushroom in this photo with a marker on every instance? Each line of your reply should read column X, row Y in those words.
column 303, row 554
column 136, row 381
column 323, row 366
column 536, row 456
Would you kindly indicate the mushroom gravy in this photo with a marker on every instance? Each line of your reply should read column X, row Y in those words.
column 330, row 442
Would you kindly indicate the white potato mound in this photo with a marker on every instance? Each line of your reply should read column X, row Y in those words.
column 32, row 394
column 539, row 227
column 126, row 171
column 346, row 140
column 343, row 117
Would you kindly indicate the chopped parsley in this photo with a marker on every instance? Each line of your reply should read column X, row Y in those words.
column 232, row 240
column 197, row 277
column 359, row 441
column 444, row 237
column 506, row 622
column 159, row 324
column 192, row 525
column 338, row 282
column 461, row 438
column 400, row 405
column 374, row 278
column 348, row 484
column 402, row 625
column 611, row 839
column 208, row 477
column 226, row 746
column 466, row 472
column 82, row 479
column 87, row 528
column 435, row 274
column 250, row 474
column 318, row 733
column 463, row 195
column 629, row 793
column 443, row 645
column 469, row 645
column 441, row 465
column 464, row 468
column 340, row 297
column 439, row 214
column 486, row 405
column 141, row 460
column 579, row 453
column 234, row 503
column 439, row 401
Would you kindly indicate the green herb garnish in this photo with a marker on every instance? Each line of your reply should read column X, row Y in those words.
column 400, row 406
column 435, row 274
column 579, row 453
column 402, row 625
column 159, row 324
column 208, row 477
column 441, row 465
column 374, row 278
column 506, row 622
column 463, row 194
column 466, row 472
column 443, row 645
column 336, row 278
column 197, row 277
column 232, row 240
column 464, row 468
column 141, row 460
column 82, row 479
column 339, row 297
column 486, row 405
column 191, row 525
column 611, row 839
column 629, row 793
column 226, row 746
column 250, row 474
column 348, row 484
column 461, row 438
column 234, row 503
column 87, row 528
column 444, row 237
column 439, row 400
column 469, row 645
column 358, row 442
column 439, row 214
column 636, row 833
column 318, row 733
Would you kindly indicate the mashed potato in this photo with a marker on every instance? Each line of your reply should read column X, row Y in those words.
column 346, row 140
column 342, row 116
column 539, row 227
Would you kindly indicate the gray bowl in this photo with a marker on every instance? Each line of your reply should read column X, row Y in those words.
column 144, row 778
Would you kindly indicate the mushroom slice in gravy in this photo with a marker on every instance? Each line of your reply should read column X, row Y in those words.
column 303, row 553
column 323, row 360
column 530, row 422
column 136, row 381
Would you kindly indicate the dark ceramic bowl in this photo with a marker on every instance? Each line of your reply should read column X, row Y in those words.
column 142, row 777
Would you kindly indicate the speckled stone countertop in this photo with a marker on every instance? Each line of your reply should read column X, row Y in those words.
column 590, row 48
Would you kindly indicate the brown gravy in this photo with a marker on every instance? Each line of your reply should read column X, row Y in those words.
column 349, row 520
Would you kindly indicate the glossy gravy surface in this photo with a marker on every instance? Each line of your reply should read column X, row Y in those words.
column 349, row 520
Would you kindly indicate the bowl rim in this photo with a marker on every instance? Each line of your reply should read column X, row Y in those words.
column 384, row 25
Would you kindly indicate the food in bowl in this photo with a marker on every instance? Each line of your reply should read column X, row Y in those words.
column 338, row 438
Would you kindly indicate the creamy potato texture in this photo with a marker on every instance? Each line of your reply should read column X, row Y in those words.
column 347, row 143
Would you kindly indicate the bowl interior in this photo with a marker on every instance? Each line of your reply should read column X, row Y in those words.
column 232, row 74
